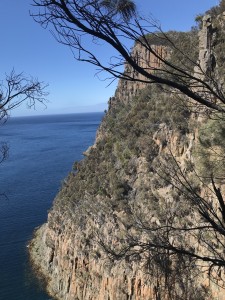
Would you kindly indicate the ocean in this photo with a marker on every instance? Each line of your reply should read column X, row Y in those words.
column 42, row 150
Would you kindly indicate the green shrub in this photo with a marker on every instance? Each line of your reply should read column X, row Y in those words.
column 210, row 149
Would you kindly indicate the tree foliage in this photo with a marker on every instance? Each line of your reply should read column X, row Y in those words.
column 126, row 8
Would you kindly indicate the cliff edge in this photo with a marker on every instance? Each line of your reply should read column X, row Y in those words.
column 115, row 190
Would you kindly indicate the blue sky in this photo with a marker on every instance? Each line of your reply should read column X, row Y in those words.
column 73, row 86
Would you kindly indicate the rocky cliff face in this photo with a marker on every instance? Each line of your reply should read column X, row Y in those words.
column 126, row 90
column 112, row 189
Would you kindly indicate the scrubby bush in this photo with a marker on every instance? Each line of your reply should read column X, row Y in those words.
column 210, row 149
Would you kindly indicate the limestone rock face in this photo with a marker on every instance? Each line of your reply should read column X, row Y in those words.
column 115, row 178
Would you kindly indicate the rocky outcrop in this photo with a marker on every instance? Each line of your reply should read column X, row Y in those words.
column 110, row 189
column 206, row 58
column 126, row 89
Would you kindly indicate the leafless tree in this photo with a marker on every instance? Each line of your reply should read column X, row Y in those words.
column 16, row 89
column 72, row 21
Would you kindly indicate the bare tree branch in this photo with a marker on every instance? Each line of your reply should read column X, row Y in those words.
column 72, row 20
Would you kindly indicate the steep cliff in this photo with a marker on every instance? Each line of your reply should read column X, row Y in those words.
column 114, row 187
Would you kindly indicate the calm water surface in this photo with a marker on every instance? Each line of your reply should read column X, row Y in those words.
column 42, row 151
